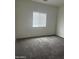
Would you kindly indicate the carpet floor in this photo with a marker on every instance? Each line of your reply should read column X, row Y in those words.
column 51, row 47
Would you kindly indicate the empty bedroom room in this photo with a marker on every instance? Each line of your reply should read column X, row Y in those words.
column 39, row 29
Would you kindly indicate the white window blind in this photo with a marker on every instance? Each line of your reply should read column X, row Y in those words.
column 39, row 19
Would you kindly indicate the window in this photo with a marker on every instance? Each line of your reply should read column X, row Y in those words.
column 39, row 19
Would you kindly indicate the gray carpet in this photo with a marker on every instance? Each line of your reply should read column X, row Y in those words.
column 51, row 47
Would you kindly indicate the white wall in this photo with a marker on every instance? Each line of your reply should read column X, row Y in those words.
column 60, row 22
column 24, row 17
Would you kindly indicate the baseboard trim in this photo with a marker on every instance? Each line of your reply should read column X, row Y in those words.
column 36, row 36
column 60, row 36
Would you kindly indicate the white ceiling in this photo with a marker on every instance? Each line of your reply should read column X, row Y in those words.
column 51, row 2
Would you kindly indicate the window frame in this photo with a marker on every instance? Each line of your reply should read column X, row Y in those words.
column 39, row 15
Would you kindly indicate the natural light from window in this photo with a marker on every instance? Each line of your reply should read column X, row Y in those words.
column 39, row 19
